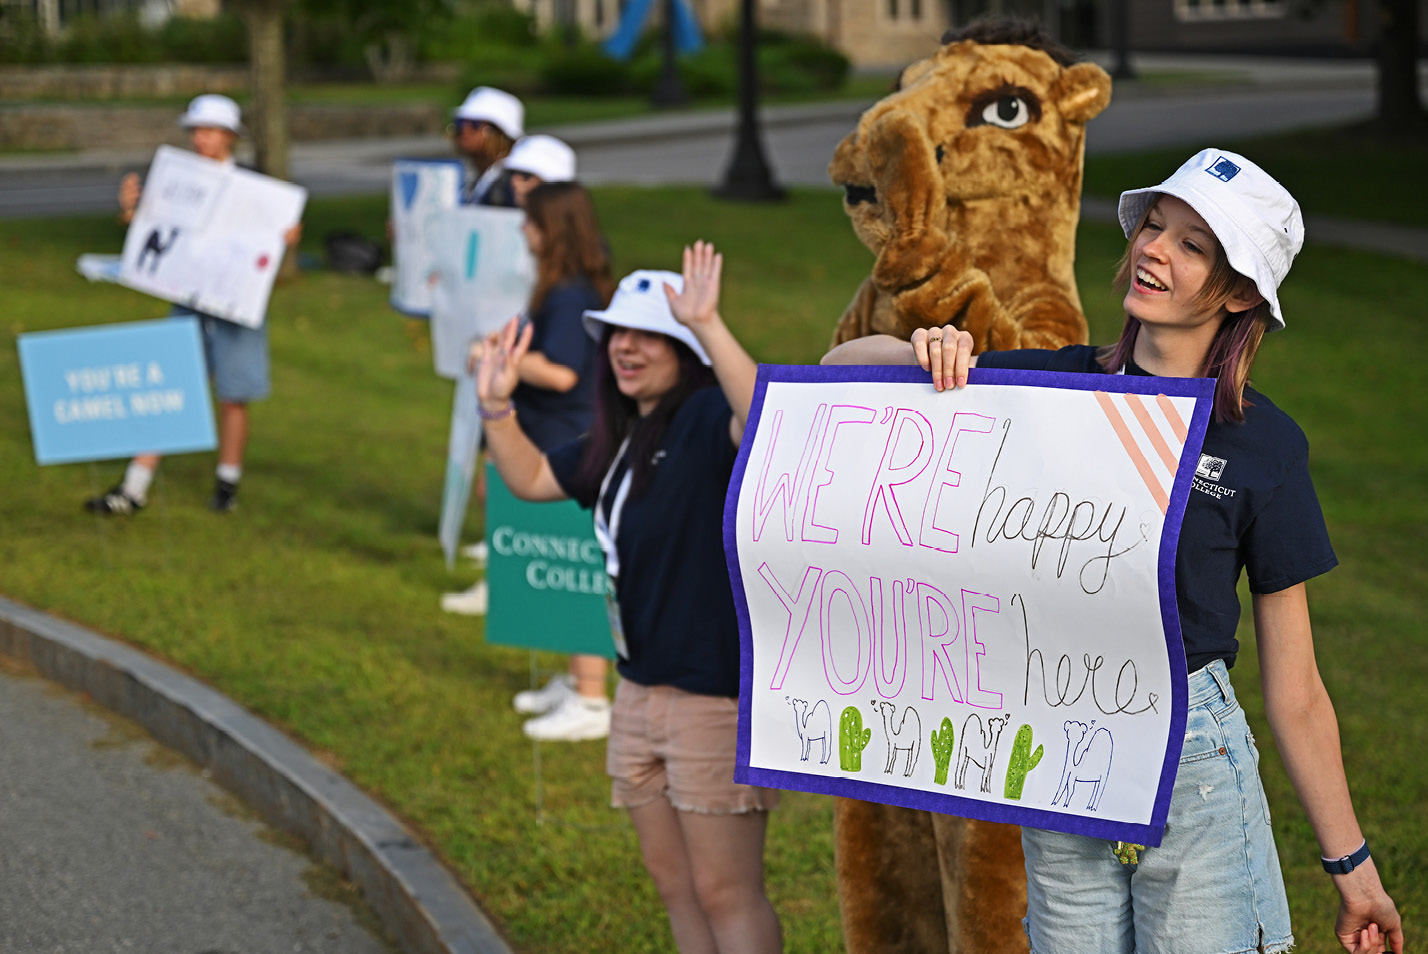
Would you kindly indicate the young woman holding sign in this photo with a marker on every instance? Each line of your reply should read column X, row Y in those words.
column 1208, row 250
column 655, row 468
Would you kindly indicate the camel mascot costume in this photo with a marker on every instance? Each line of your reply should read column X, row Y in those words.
column 965, row 182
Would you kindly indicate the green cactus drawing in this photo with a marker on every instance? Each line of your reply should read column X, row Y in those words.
column 1023, row 760
column 852, row 739
column 942, row 750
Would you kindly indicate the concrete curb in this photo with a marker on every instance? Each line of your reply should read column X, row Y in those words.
column 421, row 904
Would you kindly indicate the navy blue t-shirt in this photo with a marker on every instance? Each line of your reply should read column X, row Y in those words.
column 551, row 418
column 676, row 602
column 1252, row 507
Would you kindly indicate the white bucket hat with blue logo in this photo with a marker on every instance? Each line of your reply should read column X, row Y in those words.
column 1255, row 219
column 213, row 110
column 639, row 303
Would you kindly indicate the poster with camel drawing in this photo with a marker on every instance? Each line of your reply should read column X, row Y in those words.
column 964, row 601
column 209, row 235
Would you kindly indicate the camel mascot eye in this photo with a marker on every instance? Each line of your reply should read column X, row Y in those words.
column 1007, row 111
column 965, row 184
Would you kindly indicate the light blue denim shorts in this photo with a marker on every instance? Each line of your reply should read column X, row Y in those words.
column 237, row 356
column 1213, row 886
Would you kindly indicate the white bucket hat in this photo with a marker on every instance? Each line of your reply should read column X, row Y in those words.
column 212, row 109
column 543, row 156
column 639, row 303
column 490, row 105
column 1255, row 219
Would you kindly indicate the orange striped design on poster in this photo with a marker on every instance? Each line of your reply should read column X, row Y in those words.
column 1147, row 438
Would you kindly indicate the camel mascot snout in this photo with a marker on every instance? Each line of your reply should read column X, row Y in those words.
column 966, row 184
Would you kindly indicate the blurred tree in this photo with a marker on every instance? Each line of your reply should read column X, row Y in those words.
column 268, row 117
column 1400, row 104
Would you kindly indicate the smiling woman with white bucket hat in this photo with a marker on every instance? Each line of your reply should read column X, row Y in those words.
column 1208, row 250
column 655, row 468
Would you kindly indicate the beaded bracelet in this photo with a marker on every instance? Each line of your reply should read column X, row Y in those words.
column 500, row 415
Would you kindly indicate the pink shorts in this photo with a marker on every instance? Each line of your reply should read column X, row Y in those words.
column 665, row 741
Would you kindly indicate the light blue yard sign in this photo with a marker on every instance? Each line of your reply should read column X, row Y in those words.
column 116, row 391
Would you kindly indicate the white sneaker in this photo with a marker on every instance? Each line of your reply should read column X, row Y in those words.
column 477, row 551
column 543, row 700
column 470, row 602
column 574, row 720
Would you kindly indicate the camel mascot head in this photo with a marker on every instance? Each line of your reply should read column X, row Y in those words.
column 965, row 183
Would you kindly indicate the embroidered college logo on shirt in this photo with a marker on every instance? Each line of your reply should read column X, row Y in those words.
column 1207, row 477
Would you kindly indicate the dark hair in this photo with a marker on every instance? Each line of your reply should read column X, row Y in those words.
column 617, row 417
column 1236, row 342
column 571, row 243
column 1011, row 31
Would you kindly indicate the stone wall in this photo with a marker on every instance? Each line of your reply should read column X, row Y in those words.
column 62, row 128
column 117, row 82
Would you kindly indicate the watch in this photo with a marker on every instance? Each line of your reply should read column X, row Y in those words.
column 1347, row 863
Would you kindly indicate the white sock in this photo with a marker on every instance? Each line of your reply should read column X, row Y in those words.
column 229, row 473
column 137, row 479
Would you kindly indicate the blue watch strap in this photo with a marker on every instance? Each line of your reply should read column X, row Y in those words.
column 1347, row 863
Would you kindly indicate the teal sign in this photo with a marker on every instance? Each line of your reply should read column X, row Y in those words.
column 546, row 574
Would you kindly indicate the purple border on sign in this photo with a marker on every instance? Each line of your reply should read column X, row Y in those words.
column 1202, row 389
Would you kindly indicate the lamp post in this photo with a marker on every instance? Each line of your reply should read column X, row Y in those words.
column 669, row 91
column 748, row 177
column 1120, row 39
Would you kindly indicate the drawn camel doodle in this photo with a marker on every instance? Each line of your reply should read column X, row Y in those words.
column 907, row 737
column 984, row 742
column 813, row 726
column 154, row 249
column 1088, row 759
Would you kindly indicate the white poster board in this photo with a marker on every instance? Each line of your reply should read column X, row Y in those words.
column 462, row 444
column 483, row 275
column 964, row 602
column 421, row 189
column 209, row 235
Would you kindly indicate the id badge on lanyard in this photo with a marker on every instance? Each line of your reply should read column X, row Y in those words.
column 606, row 531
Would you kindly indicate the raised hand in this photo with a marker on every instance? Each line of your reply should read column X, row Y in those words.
column 698, row 303
column 499, row 371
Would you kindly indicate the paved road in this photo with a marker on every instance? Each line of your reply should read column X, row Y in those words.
column 110, row 843
column 695, row 150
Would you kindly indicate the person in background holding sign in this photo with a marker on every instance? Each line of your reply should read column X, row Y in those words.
column 1208, row 249
column 237, row 355
column 555, row 399
column 483, row 129
column 655, row 468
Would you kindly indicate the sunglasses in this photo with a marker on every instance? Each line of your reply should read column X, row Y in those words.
column 460, row 125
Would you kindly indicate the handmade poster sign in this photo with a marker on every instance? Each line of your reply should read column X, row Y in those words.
column 964, row 601
column 116, row 390
column 483, row 275
column 546, row 573
column 209, row 235
column 421, row 189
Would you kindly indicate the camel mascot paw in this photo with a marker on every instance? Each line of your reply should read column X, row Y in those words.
column 966, row 184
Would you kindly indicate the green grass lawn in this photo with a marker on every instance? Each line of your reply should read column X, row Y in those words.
column 315, row 604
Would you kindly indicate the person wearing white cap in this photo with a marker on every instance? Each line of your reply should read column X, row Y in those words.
column 655, row 468
column 483, row 129
column 1208, row 250
column 536, row 159
column 237, row 355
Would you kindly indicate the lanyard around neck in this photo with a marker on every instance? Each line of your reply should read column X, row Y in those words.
column 607, row 530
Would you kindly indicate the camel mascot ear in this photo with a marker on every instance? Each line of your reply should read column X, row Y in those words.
column 965, row 183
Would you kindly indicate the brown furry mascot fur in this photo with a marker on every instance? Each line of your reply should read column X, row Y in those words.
column 966, row 184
